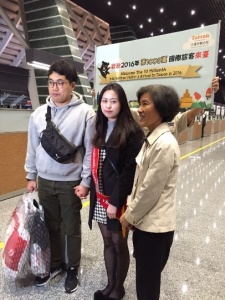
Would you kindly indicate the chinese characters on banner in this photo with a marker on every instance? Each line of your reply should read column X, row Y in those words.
column 185, row 60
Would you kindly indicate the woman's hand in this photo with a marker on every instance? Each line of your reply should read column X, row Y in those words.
column 124, row 222
column 111, row 211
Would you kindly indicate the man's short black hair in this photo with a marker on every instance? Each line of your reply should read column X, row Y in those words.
column 165, row 98
column 64, row 67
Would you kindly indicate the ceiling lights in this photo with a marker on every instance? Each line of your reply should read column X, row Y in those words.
column 149, row 20
column 39, row 65
column 42, row 60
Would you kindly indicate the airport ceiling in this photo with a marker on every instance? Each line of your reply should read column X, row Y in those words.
column 88, row 30
column 147, row 18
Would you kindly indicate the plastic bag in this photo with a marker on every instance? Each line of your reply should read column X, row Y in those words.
column 16, row 250
column 27, row 246
column 40, row 253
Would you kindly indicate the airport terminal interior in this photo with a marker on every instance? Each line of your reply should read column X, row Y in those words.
column 195, row 269
column 49, row 30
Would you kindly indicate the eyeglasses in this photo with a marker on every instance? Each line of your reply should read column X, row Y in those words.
column 59, row 84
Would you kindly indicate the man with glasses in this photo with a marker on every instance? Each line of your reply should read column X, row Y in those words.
column 60, row 183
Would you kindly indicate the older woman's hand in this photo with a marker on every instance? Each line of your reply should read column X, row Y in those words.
column 124, row 222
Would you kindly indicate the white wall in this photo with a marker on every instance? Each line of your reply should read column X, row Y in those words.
column 14, row 120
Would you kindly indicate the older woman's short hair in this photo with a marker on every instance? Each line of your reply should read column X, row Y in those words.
column 165, row 98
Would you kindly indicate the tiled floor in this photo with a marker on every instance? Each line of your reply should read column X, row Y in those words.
column 196, row 267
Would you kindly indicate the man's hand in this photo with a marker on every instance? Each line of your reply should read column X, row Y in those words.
column 192, row 113
column 81, row 191
column 215, row 84
column 32, row 185
column 93, row 93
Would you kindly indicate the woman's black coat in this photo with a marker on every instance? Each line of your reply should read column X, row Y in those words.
column 118, row 184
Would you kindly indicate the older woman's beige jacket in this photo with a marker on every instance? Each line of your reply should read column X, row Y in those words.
column 152, row 207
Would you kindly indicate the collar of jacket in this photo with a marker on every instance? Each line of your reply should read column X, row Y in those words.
column 156, row 133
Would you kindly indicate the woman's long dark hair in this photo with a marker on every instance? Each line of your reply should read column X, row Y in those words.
column 125, row 124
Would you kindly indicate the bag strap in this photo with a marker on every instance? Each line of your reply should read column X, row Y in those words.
column 48, row 114
column 53, row 127
column 48, row 118
column 111, row 163
column 113, row 166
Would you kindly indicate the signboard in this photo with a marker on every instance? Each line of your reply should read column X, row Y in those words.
column 185, row 60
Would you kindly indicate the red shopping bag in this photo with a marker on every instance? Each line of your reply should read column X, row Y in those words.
column 14, row 249
column 16, row 262
column 27, row 246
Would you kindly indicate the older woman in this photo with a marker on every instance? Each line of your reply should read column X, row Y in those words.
column 151, row 211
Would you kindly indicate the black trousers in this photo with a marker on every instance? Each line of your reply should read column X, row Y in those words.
column 203, row 126
column 151, row 253
column 62, row 211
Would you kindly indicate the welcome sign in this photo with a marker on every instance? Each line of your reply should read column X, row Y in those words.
column 185, row 60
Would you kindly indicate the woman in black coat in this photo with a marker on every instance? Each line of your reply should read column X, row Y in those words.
column 117, row 142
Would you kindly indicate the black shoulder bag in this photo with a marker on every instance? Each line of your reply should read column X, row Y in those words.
column 55, row 144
